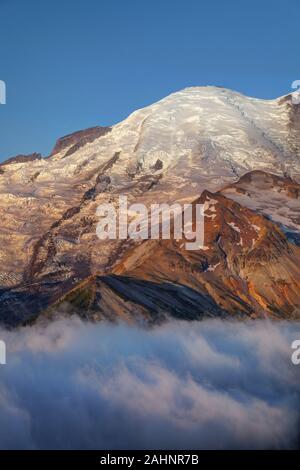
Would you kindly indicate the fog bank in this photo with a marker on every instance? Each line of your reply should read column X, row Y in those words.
column 199, row 385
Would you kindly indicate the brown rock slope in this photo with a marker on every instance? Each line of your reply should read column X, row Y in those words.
column 246, row 268
column 275, row 196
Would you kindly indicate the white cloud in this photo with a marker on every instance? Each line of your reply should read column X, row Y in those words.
column 209, row 384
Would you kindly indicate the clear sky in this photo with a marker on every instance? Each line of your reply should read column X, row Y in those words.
column 72, row 64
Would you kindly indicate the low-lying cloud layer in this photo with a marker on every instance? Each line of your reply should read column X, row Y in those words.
column 204, row 385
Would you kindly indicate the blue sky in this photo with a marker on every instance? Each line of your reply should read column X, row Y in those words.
column 70, row 64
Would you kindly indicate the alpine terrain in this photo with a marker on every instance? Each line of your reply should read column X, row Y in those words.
column 238, row 156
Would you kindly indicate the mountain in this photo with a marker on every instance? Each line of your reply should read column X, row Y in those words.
column 247, row 268
column 274, row 196
column 197, row 144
